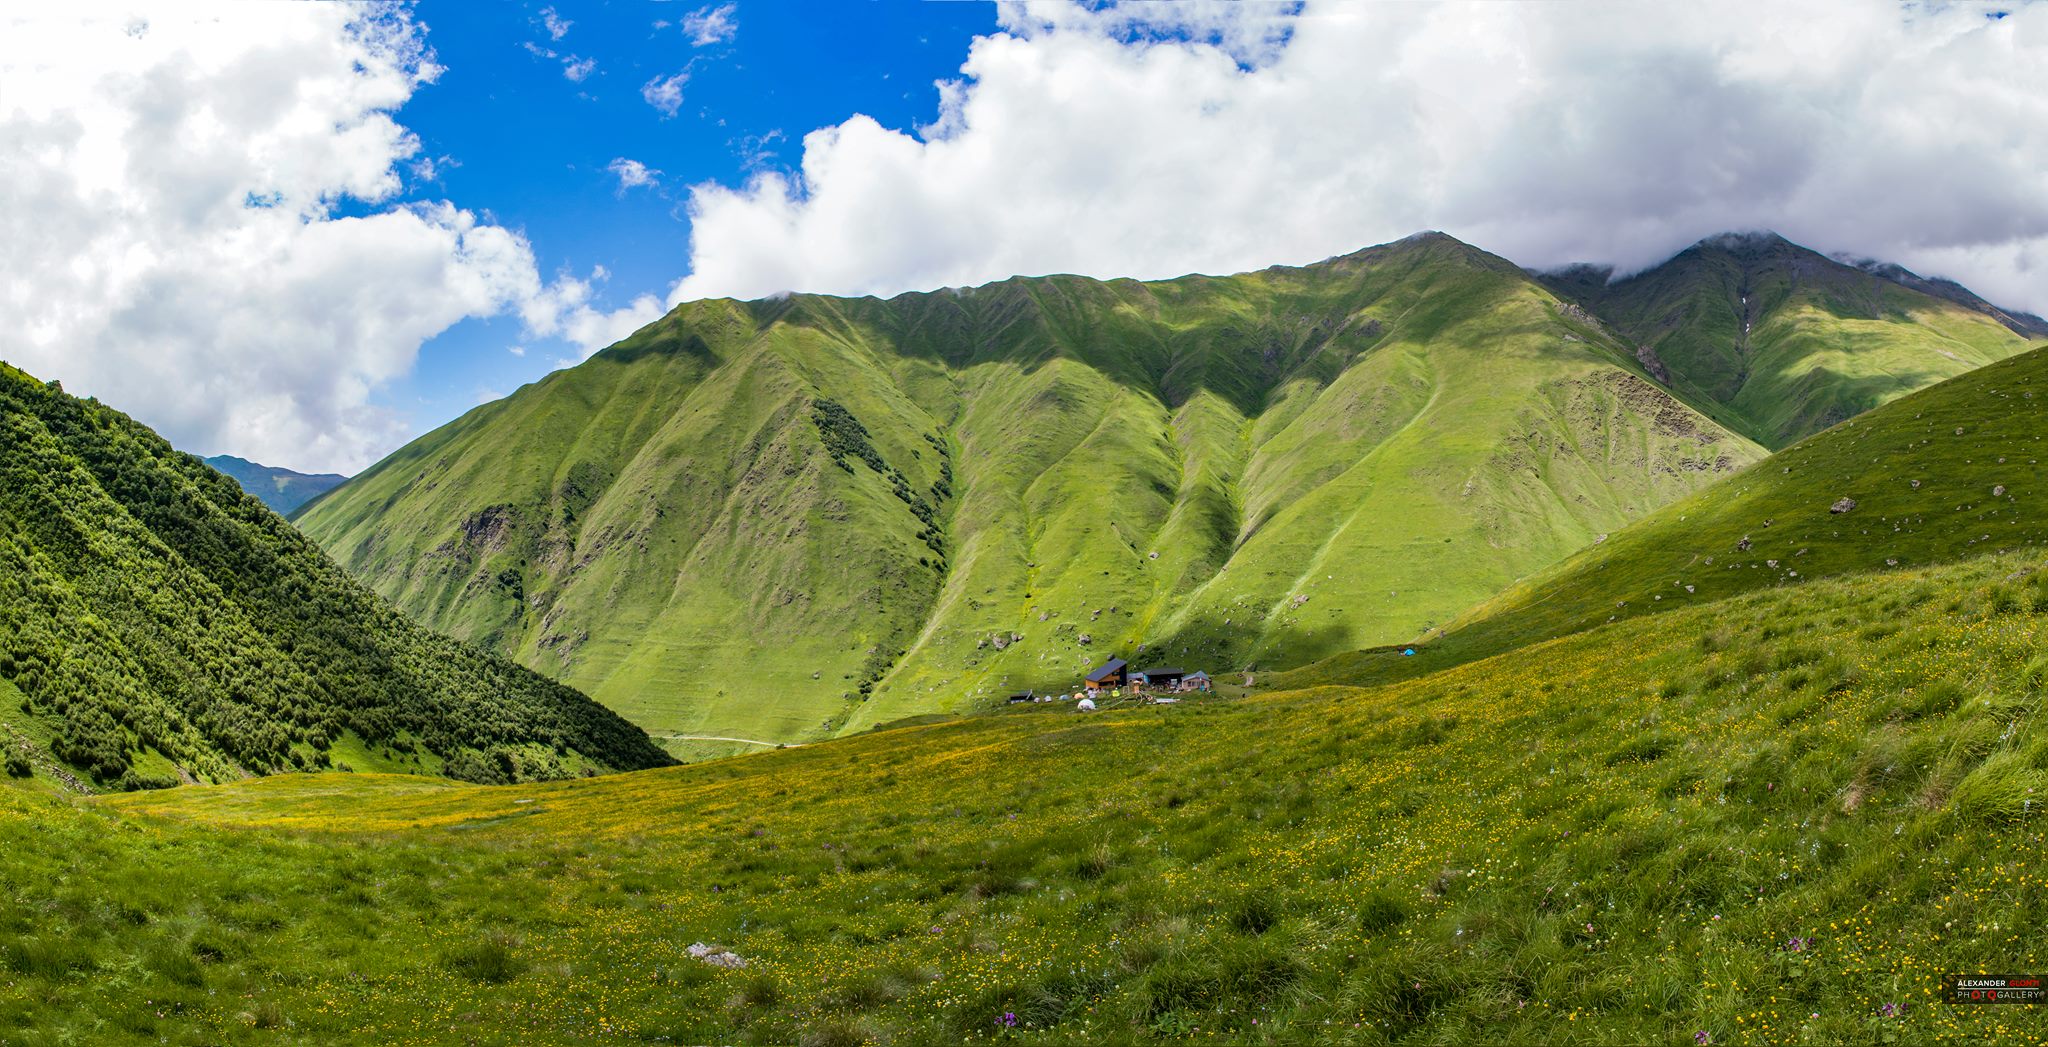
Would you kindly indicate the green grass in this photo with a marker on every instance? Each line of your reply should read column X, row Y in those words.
column 1611, row 837
column 1320, row 458
column 1946, row 474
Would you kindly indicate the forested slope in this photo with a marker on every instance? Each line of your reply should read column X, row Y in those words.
column 162, row 625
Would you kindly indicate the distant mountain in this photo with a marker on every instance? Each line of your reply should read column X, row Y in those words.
column 1947, row 474
column 2026, row 325
column 1779, row 342
column 787, row 518
column 158, row 625
column 281, row 489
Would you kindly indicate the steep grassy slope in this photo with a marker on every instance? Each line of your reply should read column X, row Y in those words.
column 1945, row 474
column 1784, row 340
column 161, row 625
column 281, row 489
column 1777, row 818
column 749, row 517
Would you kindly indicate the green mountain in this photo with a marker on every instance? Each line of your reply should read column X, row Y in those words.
column 1946, row 474
column 785, row 518
column 1778, row 818
column 1778, row 342
column 158, row 625
column 281, row 489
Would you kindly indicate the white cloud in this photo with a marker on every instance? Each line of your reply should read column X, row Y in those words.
column 516, row 350
column 174, row 244
column 710, row 25
column 564, row 310
column 1150, row 140
column 632, row 173
column 666, row 93
column 556, row 25
column 575, row 69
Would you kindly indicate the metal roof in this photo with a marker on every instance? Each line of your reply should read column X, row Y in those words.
column 1109, row 668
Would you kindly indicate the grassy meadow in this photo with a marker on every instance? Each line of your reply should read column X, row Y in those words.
column 1779, row 818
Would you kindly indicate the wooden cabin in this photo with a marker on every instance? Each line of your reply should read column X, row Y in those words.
column 1110, row 674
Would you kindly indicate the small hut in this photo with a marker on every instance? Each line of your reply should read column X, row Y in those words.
column 1195, row 681
column 1167, row 678
column 1110, row 674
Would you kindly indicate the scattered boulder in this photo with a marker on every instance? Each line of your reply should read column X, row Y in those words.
column 1916, row 485
column 716, row 957
column 1842, row 505
column 1084, row 639
column 1998, row 491
column 1743, row 545
column 1152, row 556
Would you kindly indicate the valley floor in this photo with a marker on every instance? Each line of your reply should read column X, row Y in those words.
column 1783, row 817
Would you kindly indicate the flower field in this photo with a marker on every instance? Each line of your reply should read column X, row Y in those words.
column 1778, row 818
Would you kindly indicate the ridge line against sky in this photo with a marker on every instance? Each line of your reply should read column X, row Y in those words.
column 306, row 233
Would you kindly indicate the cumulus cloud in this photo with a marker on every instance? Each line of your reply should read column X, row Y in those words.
column 710, row 25
column 176, row 243
column 666, row 93
column 632, row 173
column 1154, row 139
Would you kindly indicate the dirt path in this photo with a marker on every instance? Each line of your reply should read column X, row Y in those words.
column 722, row 738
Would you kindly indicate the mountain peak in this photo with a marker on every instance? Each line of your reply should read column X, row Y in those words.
column 1748, row 241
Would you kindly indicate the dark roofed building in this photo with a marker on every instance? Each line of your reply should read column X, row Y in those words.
column 1162, row 677
column 1020, row 696
column 1112, row 673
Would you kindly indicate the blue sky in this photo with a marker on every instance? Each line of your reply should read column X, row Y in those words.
column 512, row 135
